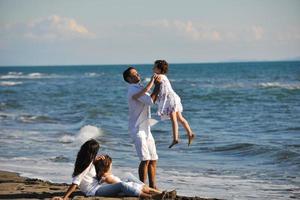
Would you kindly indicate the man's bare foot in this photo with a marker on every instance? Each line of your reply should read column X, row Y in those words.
column 173, row 143
column 191, row 138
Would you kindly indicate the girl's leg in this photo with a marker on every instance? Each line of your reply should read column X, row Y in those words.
column 187, row 127
column 173, row 117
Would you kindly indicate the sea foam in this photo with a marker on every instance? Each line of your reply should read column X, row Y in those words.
column 87, row 132
column 10, row 83
column 34, row 75
column 289, row 86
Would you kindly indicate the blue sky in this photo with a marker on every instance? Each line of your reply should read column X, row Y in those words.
column 56, row 32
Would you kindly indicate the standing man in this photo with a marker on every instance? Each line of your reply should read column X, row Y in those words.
column 139, row 125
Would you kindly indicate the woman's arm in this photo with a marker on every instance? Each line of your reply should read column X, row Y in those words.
column 146, row 89
column 70, row 190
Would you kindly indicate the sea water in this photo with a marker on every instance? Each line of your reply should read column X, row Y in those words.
column 246, row 117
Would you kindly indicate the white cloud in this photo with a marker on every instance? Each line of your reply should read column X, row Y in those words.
column 258, row 32
column 53, row 27
column 187, row 29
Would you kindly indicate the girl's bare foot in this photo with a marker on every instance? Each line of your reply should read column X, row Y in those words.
column 173, row 143
column 191, row 138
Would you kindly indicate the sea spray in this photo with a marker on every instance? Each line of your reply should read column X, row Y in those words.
column 86, row 132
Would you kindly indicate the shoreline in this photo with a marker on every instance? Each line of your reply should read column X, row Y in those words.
column 14, row 186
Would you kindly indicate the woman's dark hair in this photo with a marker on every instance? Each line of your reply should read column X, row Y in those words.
column 102, row 166
column 85, row 156
column 162, row 65
column 126, row 73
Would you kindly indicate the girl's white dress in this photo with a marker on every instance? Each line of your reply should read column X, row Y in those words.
column 168, row 101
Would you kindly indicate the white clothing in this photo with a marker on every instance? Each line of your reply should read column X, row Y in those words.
column 87, row 181
column 139, row 110
column 168, row 101
column 140, row 122
column 145, row 146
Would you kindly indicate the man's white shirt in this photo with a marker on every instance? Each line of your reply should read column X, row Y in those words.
column 139, row 110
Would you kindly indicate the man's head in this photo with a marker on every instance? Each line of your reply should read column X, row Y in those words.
column 131, row 75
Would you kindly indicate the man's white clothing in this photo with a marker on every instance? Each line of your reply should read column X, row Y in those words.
column 140, row 122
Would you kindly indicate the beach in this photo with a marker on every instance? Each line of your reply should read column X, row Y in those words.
column 13, row 186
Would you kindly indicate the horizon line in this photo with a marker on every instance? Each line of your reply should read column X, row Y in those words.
column 206, row 62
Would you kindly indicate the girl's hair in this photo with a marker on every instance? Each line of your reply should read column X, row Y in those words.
column 85, row 156
column 102, row 166
column 162, row 65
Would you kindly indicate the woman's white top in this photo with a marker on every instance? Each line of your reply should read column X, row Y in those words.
column 87, row 181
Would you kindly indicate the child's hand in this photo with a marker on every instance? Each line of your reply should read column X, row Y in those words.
column 157, row 79
column 154, row 77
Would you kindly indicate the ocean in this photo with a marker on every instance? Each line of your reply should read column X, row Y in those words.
column 246, row 117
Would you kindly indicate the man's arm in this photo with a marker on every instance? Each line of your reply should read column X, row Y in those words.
column 145, row 90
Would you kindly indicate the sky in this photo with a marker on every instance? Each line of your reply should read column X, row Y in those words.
column 80, row 32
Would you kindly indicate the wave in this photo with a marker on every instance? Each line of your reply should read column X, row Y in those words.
column 25, row 118
column 10, row 83
column 59, row 159
column 289, row 86
column 5, row 115
column 21, row 75
column 283, row 156
column 36, row 118
column 93, row 74
column 87, row 132
column 234, row 147
column 245, row 149
column 277, row 154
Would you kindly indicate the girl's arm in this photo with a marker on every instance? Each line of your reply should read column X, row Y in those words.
column 146, row 89
column 110, row 179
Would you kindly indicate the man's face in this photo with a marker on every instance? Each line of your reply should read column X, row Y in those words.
column 134, row 76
